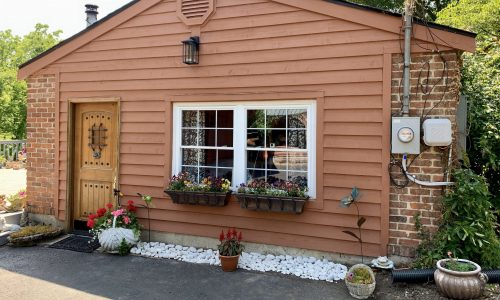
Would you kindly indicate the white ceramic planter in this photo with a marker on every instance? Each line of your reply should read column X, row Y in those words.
column 10, row 218
column 111, row 239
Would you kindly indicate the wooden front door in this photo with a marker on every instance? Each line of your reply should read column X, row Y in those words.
column 95, row 157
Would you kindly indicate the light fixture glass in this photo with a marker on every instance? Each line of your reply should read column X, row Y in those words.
column 191, row 50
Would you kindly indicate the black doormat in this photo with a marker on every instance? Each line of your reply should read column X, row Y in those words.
column 77, row 243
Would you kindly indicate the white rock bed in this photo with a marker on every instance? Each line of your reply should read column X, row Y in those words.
column 303, row 267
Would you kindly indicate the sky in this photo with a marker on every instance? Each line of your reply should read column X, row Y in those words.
column 68, row 15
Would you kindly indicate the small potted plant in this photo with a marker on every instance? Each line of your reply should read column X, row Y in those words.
column 230, row 248
column 117, row 230
column 459, row 278
column 279, row 196
column 211, row 191
column 360, row 281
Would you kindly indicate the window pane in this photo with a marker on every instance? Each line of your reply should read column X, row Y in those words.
column 297, row 139
column 275, row 176
column 207, row 118
column 276, row 138
column 255, row 138
column 298, row 177
column 189, row 118
column 225, row 173
column 208, row 157
column 207, row 137
column 193, row 173
column 276, row 160
column 189, row 137
column 225, row 158
column 256, row 174
column 297, row 161
column 276, row 118
column 190, row 157
column 207, row 172
column 297, row 118
column 225, row 119
column 256, row 119
column 256, row 159
column 224, row 137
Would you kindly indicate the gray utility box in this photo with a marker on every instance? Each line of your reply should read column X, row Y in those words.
column 405, row 135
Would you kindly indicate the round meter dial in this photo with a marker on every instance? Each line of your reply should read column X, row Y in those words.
column 405, row 134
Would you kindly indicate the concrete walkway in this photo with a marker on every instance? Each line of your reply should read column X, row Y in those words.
column 44, row 273
column 11, row 181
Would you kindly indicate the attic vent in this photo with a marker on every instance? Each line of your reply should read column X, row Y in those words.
column 195, row 12
column 195, row 8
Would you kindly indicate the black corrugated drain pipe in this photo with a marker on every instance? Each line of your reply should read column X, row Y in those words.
column 427, row 275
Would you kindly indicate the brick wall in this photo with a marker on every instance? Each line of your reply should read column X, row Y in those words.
column 41, row 155
column 432, row 164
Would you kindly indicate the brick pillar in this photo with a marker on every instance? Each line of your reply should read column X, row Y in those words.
column 41, row 176
column 432, row 164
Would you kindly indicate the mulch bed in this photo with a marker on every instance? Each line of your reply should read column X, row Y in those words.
column 424, row 291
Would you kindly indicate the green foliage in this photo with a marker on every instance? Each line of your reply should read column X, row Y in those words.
column 360, row 276
column 124, row 248
column 481, row 84
column 15, row 50
column 230, row 243
column 455, row 265
column 424, row 9
column 3, row 160
column 467, row 226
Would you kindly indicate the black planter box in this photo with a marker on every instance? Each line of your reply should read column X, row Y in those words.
column 199, row 198
column 271, row 203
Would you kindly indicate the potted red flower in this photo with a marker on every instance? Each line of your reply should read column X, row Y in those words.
column 230, row 248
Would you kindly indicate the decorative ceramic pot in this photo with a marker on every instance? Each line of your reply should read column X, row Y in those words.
column 460, row 285
column 229, row 263
column 361, row 290
column 111, row 239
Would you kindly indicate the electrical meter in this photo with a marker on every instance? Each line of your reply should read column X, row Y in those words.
column 405, row 136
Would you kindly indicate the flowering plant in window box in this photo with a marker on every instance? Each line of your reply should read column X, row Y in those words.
column 279, row 196
column 211, row 191
column 117, row 230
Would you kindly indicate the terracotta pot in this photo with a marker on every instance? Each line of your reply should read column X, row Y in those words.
column 229, row 263
column 460, row 285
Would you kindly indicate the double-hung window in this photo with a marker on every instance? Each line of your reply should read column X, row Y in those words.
column 244, row 141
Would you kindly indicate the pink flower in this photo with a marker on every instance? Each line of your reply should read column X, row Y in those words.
column 117, row 212
column 126, row 220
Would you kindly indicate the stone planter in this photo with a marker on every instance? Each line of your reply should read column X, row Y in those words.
column 111, row 239
column 271, row 203
column 361, row 290
column 460, row 285
column 229, row 263
column 199, row 198
column 10, row 218
column 32, row 240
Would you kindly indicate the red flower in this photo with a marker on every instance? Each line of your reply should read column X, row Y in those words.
column 130, row 202
column 109, row 206
column 234, row 233
column 228, row 234
column 101, row 212
column 92, row 216
column 240, row 237
column 90, row 223
column 221, row 236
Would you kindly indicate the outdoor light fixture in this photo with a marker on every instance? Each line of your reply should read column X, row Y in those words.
column 191, row 50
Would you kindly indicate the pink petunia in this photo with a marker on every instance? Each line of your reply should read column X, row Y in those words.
column 126, row 220
column 117, row 212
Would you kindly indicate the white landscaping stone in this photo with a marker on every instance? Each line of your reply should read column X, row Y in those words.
column 304, row 267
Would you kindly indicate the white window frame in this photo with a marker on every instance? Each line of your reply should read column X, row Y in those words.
column 240, row 133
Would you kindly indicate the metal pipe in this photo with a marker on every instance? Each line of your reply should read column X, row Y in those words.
column 407, row 57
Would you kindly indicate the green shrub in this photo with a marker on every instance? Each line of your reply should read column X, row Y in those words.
column 468, row 226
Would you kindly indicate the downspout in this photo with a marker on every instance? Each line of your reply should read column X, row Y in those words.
column 407, row 57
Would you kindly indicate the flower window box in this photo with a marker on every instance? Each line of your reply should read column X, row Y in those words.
column 272, row 203
column 211, row 191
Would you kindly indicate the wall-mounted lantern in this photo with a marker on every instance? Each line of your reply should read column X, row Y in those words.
column 191, row 50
